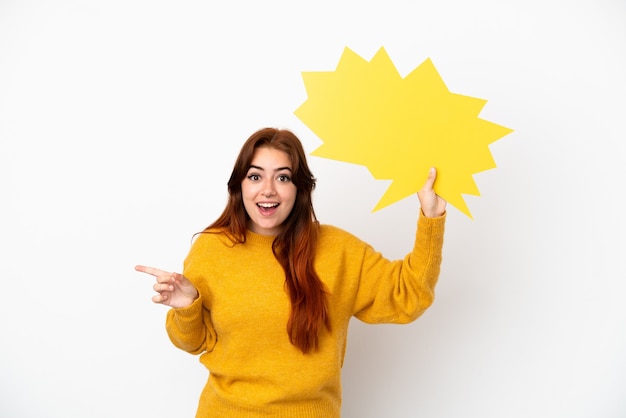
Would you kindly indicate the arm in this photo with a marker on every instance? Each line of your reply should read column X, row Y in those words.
column 400, row 291
column 190, row 328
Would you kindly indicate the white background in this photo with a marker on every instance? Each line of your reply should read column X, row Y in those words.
column 119, row 124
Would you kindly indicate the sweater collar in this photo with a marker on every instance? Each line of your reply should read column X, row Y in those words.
column 257, row 239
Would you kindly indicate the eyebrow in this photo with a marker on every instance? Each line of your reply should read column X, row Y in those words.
column 262, row 169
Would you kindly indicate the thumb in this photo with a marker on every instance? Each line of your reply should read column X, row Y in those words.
column 430, row 180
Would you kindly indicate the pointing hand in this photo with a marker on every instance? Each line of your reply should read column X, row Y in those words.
column 173, row 289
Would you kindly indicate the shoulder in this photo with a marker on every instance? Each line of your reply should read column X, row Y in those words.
column 330, row 234
column 211, row 240
column 205, row 238
column 326, row 230
column 340, row 250
column 213, row 245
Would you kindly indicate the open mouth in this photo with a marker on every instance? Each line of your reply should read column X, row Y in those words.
column 267, row 208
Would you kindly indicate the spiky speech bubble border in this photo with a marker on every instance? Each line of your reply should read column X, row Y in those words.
column 365, row 113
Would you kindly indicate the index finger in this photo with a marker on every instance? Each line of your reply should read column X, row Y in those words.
column 151, row 270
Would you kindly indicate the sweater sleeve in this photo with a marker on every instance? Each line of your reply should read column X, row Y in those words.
column 191, row 328
column 400, row 291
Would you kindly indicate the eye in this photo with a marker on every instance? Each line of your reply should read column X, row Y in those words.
column 284, row 178
column 253, row 177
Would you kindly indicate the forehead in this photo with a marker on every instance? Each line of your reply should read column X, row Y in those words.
column 270, row 158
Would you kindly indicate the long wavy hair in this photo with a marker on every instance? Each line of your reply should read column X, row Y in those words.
column 294, row 247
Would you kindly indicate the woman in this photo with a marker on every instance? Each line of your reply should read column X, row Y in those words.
column 267, row 293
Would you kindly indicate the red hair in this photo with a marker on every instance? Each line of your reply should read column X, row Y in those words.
column 294, row 247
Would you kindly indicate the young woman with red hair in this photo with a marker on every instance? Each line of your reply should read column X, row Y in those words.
column 267, row 292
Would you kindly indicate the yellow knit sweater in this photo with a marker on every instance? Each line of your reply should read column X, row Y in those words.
column 238, row 323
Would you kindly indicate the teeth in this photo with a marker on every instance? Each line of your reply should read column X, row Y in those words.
column 268, row 205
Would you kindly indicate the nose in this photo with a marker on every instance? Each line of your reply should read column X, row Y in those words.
column 268, row 188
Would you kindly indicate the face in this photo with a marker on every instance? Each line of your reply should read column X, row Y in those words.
column 268, row 192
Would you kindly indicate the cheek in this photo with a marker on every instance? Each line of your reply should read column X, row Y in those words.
column 291, row 196
column 247, row 191
column 247, row 197
column 289, row 192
